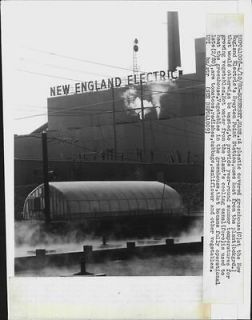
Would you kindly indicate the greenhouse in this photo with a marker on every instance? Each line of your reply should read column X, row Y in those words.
column 100, row 199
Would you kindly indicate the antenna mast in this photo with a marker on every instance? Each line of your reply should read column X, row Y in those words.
column 135, row 54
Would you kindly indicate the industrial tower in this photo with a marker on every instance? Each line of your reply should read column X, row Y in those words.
column 135, row 54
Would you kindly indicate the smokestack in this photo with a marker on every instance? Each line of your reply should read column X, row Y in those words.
column 174, row 60
column 200, row 57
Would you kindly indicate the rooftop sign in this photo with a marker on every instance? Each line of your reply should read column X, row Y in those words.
column 116, row 82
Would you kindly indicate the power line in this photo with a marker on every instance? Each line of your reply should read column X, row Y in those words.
column 61, row 112
column 109, row 101
column 71, row 79
column 53, row 76
column 92, row 62
column 47, row 75
column 79, row 59
column 137, row 123
column 58, row 139
column 32, row 116
column 174, row 91
column 176, row 128
column 192, row 136
column 62, row 67
column 59, row 77
column 93, row 113
column 85, row 106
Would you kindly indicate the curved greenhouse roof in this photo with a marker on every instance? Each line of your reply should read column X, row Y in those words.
column 102, row 198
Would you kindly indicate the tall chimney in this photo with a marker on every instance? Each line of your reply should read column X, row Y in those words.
column 200, row 57
column 173, row 41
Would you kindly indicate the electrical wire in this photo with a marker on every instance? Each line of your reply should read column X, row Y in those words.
column 32, row 116
column 79, row 59
column 107, row 101
column 50, row 138
column 137, row 123
column 62, row 67
column 47, row 75
column 95, row 62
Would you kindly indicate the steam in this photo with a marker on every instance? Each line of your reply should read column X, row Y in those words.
column 154, row 92
column 158, row 89
column 30, row 236
column 133, row 103
column 194, row 233
column 71, row 237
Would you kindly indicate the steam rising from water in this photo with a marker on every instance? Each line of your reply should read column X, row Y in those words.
column 155, row 91
column 33, row 235
column 30, row 236
column 194, row 233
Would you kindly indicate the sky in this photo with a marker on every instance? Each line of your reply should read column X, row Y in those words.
column 45, row 43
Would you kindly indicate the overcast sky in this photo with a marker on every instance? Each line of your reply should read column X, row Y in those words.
column 37, row 34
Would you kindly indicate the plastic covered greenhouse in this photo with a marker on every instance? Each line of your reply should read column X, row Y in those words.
column 101, row 199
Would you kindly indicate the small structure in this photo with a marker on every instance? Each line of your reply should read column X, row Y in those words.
column 103, row 199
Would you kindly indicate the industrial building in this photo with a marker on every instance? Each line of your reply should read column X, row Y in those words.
column 157, row 123
column 122, row 158
column 171, row 135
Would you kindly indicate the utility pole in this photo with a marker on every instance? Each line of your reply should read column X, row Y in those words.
column 162, row 200
column 45, row 177
column 114, row 121
column 143, row 124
